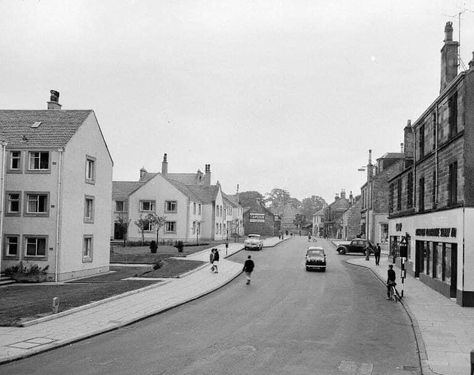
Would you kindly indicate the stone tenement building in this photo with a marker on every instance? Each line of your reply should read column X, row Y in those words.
column 431, row 202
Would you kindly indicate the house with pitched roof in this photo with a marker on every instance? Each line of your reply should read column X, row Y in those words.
column 193, row 208
column 56, row 189
column 234, row 221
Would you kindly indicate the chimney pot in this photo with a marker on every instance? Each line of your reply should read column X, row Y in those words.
column 54, row 100
column 164, row 165
column 448, row 32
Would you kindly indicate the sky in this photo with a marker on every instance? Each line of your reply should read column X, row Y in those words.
column 272, row 94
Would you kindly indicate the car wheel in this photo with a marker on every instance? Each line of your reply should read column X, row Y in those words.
column 342, row 251
column 307, row 269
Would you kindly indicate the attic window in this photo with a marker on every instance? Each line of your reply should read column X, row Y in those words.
column 36, row 124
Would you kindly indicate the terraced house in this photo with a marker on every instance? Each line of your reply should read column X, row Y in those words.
column 431, row 202
column 56, row 184
column 193, row 208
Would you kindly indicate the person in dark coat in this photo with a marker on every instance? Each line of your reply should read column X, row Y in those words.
column 377, row 252
column 211, row 259
column 249, row 265
column 216, row 260
column 391, row 277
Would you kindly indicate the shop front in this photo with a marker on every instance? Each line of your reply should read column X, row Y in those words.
column 434, row 251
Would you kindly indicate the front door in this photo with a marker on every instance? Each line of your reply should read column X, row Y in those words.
column 454, row 270
column 418, row 258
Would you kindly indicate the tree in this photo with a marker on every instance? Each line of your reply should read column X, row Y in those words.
column 142, row 223
column 277, row 199
column 312, row 205
column 122, row 227
column 299, row 220
column 249, row 198
column 157, row 222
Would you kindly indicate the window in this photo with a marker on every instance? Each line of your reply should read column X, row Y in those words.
column 421, row 198
column 38, row 160
column 433, row 191
column 453, row 184
column 427, row 256
column 13, row 203
column 11, row 246
column 90, row 169
column 89, row 209
column 171, row 206
column 435, row 125
column 36, row 203
column 15, row 161
column 438, row 260
column 148, row 226
column 199, row 209
column 399, row 195
column 447, row 262
column 194, row 209
column 170, row 227
column 421, row 140
column 453, row 114
column 119, row 206
column 87, row 248
column 147, row 206
column 383, row 233
column 390, row 198
column 410, row 190
column 35, row 246
column 194, row 227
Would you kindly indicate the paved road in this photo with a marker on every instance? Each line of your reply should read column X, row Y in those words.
column 288, row 321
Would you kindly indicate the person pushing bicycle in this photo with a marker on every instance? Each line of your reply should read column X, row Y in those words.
column 391, row 277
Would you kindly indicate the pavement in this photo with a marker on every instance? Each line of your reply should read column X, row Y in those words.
column 443, row 329
column 79, row 323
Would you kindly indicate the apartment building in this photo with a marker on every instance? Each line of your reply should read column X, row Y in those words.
column 56, row 190
column 431, row 202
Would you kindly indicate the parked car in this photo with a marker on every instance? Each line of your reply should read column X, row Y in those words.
column 357, row 245
column 253, row 241
column 315, row 258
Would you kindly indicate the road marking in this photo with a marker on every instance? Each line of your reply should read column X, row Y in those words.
column 355, row 368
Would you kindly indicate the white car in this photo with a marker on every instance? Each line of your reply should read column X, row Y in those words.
column 253, row 241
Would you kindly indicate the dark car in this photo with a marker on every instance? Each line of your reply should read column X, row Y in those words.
column 357, row 245
column 315, row 259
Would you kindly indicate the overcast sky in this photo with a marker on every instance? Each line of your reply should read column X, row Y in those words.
column 288, row 94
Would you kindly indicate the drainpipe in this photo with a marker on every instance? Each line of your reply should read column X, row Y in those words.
column 2, row 193
column 188, row 223
column 58, row 213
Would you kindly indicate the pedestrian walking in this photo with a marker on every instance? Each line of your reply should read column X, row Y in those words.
column 391, row 277
column 249, row 265
column 377, row 252
column 211, row 259
column 216, row 259
column 309, row 237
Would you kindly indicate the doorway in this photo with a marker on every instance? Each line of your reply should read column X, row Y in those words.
column 454, row 271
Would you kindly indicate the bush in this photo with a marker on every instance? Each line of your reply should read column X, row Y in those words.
column 153, row 246
column 32, row 270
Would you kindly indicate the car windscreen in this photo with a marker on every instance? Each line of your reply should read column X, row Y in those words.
column 315, row 253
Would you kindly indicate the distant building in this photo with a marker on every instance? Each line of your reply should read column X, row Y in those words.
column 375, row 194
column 351, row 218
column 57, row 186
column 431, row 202
column 260, row 220
column 192, row 207
column 318, row 223
column 333, row 216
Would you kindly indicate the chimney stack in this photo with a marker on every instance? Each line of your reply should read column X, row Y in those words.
column 351, row 197
column 471, row 63
column 370, row 171
column 143, row 173
column 207, row 174
column 449, row 57
column 164, row 165
column 343, row 193
column 54, row 100
column 408, row 141
column 401, row 147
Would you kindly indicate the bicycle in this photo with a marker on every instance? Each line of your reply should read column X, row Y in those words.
column 394, row 295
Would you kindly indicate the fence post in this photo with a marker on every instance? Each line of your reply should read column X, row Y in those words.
column 472, row 362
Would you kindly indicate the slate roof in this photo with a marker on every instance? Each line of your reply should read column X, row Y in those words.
column 232, row 199
column 184, row 189
column 122, row 189
column 392, row 155
column 184, row 178
column 207, row 194
column 56, row 128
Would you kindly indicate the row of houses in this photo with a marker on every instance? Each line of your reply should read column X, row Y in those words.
column 421, row 199
column 59, row 207
column 192, row 208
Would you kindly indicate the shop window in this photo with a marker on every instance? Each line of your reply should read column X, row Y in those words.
column 383, row 233
column 437, row 260
column 447, row 262
column 427, row 257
